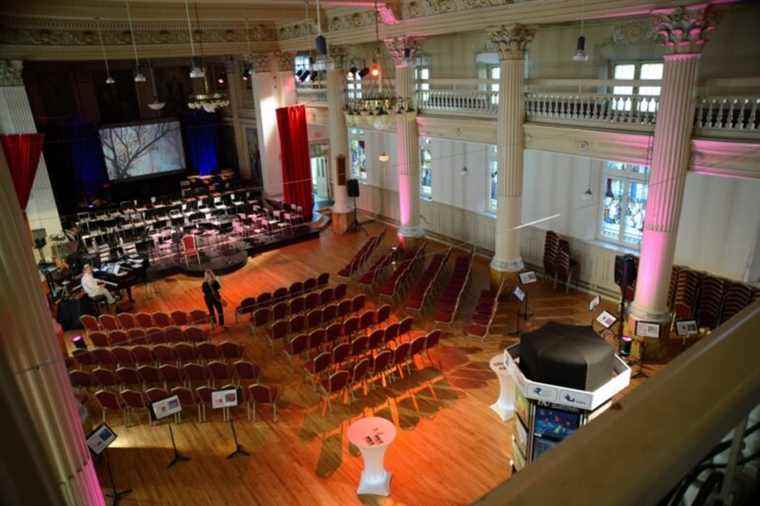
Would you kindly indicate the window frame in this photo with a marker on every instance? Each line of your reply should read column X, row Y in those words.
column 358, row 135
column 492, row 180
column 353, row 86
column 635, row 94
column 626, row 178
column 426, row 165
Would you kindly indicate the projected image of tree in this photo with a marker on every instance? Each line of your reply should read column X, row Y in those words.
column 142, row 150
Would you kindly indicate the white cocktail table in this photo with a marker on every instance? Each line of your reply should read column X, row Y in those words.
column 372, row 435
column 505, row 405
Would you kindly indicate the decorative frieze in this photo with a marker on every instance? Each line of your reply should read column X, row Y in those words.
column 297, row 30
column 421, row 8
column 351, row 21
column 10, row 73
column 684, row 29
column 403, row 50
column 389, row 12
column 511, row 40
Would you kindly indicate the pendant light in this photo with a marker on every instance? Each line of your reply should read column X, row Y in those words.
column 320, row 43
column 156, row 105
column 588, row 194
column 580, row 49
column 384, row 157
column 247, row 67
column 139, row 76
column 374, row 69
column 196, row 72
column 109, row 79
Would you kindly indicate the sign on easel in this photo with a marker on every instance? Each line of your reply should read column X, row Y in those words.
column 687, row 328
column 166, row 407
column 528, row 277
column 100, row 438
column 519, row 293
column 224, row 398
column 647, row 329
column 594, row 302
column 606, row 319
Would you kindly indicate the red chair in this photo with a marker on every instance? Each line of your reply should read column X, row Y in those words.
column 316, row 367
column 336, row 385
column 156, row 336
column 128, row 377
column 99, row 339
column 416, row 347
column 247, row 306
column 164, row 354
column 359, row 373
column 383, row 362
column 344, row 309
column 296, row 347
column 195, row 374
column 376, row 340
column 219, row 372
column 383, row 313
column 173, row 334
column 186, row 353
column 108, row 401
column 279, row 294
column 208, row 351
column 401, row 357
column 203, row 394
column 144, row 320
column 405, row 326
column 90, row 323
column 154, row 395
column 194, row 335
column 142, row 355
column 323, row 279
column 170, row 373
column 359, row 346
column 326, row 296
column 190, row 249
column 358, row 302
column 350, row 326
column 340, row 291
column 261, row 394
column 431, row 341
column 137, row 336
column 231, row 351
column 297, row 305
column 132, row 401
column 198, row 317
column 391, row 332
column 297, row 324
column 314, row 319
column 118, row 337
column 84, row 358
column 246, row 371
column 80, row 379
column 311, row 302
column 108, row 322
column 150, row 375
column 179, row 318
column 332, row 333
column 278, row 331
column 309, row 285
column 295, row 288
column 340, row 353
column 367, row 320
column 187, row 399
column 260, row 319
column 126, row 320
column 279, row 311
column 264, row 299
column 329, row 313
column 316, row 339
column 161, row 319
column 104, row 357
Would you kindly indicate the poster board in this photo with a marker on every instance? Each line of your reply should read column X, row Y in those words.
column 687, row 328
column 647, row 329
column 227, row 398
column 100, row 438
column 528, row 277
column 165, row 407
column 606, row 319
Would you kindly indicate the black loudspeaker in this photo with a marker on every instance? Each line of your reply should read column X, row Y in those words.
column 352, row 185
column 320, row 43
column 625, row 270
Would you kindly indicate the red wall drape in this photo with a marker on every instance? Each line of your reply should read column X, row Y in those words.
column 294, row 150
column 22, row 151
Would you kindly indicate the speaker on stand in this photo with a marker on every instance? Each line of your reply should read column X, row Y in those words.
column 352, row 188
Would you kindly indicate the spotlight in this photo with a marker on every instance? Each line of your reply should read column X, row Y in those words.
column 320, row 43
column 363, row 72
column 374, row 70
column 384, row 157
column 110, row 80
column 139, row 77
column 580, row 53
column 220, row 80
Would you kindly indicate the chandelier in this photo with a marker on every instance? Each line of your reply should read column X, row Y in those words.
column 209, row 102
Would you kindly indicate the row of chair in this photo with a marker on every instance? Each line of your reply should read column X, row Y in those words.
column 249, row 304
column 484, row 315
column 360, row 257
column 373, row 274
column 317, row 319
column 398, row 282
column 558, row 263
column 127, row 321
column 215, row 373
column 301, row 305
column 181, row 353
column 130, row 401
column 447, row 305
column 366, row 370
column 155, row 335
column 427, row 282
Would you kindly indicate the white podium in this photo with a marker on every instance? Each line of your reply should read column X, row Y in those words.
column 372, row 435
column 505, row 405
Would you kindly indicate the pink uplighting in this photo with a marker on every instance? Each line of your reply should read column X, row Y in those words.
column 654, row 267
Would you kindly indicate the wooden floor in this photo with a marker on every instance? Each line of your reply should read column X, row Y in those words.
column 450, row 448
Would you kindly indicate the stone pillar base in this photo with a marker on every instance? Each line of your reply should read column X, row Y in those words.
column 648, row 348
column 341, row 222
column 505, row 270
column 410, row 237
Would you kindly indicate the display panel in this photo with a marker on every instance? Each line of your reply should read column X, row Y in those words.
column 521, row 436
column 147, row 149
column 541, row 446
column 555, row 423
column 522, row 407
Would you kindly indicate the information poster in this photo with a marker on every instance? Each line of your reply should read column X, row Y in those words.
column 606, row 319
column 100, row 439
column 166, row 407
column 647, row 329
column 687, row 328
column 224, row 398
column 519, row 294
column 528, row 277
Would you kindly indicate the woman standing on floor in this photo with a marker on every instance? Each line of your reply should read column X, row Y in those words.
column 213, row 298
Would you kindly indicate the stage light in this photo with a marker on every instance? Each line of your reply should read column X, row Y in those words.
column 139, row 77
column 384, row 157
column 110, row 80
column 363, row 72
column 374, row 70
column 580, row 53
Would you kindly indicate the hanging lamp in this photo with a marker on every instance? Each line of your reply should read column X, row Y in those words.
column 139, row 76
column 156, row 105
column 196, row 72
column 580, row 48
column 109, row 79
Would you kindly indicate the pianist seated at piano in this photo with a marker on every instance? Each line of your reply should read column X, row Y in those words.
column 93, row 287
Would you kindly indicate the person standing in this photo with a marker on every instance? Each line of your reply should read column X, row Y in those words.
column 212, row 297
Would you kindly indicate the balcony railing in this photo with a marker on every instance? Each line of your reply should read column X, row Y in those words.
column 458, row 96
column 634, row 111
column 735, row 114
column 311, row 94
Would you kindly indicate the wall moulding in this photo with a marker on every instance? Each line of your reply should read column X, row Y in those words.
column 733, row 159
column 462, row 129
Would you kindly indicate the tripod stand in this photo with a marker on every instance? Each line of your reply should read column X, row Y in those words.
column 178, row 457
column 239, row 450
column 355, row 225
column 116, row 495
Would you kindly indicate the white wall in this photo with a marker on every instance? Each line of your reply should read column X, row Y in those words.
column 719, row 230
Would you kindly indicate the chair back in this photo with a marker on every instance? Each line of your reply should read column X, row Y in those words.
column 337, row 381
column 99, row 339
column 117, row 337
column 179, row 318
column 133, row 399
column 89, row 322
column 108, row 322
column 123, row 356
column 144, row 320
column 170, row 373
column 245, row 370
column 149, row 374
column 340, row 353
column 156, row 394
column 126, row 320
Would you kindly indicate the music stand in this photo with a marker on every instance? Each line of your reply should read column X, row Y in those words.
column 98, row 441
column 225, row 399
column 527, row 278
column 521, row 296
column 164, row 409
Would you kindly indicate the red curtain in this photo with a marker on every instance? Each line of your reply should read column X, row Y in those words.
column 296, row 165
column 22, row 151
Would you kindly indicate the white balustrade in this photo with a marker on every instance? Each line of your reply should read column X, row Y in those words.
column 458, row 101
column 728, row 113
column 628, row 109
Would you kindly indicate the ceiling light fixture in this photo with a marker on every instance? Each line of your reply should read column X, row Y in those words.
column 580, row 49
column 196, row 72
column 109, row 79
column 139, row 76
column 384, row 157
column 156, row 105
column 320, row 43
column 247, row 67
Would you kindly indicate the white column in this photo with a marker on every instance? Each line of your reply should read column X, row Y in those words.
column 683, row 30
column 16, row 118
column 235, row 88
column 403, row 50
column 32, row 355
column 338, row 131
column 511, row 41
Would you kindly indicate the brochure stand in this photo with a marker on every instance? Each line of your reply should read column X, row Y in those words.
column 527, row 278
column 98, row 441
column 163, row 409
column 225, row 399
column 520, row 295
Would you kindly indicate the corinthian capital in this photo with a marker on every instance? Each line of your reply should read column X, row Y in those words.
column 10, row 73
column 260, row 62
column 511, row 40
column 403, row 49
column 685, row 29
